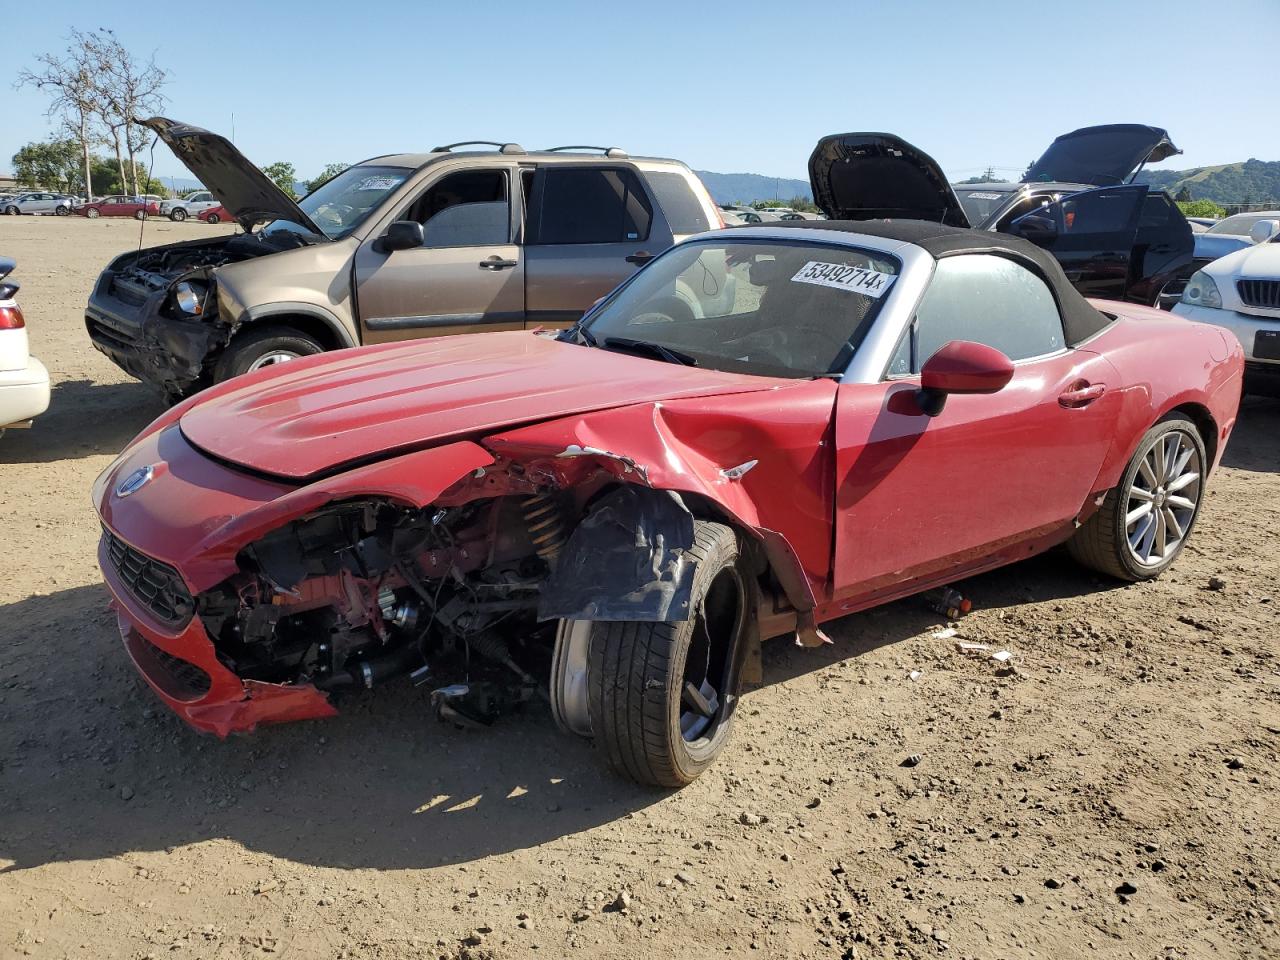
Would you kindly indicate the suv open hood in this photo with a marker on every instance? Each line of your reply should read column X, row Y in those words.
column 872, row 176
column 316, row 415
column 1101, row 156
column 246, row 192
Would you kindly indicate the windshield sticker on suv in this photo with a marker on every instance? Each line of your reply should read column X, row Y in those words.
column 841, row 276
column 377, row 183
column 985, row 196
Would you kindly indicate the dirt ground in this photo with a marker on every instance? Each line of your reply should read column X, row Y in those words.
column 1136, row 742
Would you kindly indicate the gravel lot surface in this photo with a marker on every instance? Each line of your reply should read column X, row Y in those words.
column 1135, row 743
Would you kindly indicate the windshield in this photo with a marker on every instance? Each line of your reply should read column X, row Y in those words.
column 340, row 205
column 767, row 307
column 1241, row 223
column 979, row 204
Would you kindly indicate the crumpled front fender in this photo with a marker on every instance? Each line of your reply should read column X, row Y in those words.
column 763, row 459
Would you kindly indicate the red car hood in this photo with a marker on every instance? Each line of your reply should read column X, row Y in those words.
column 312, row 416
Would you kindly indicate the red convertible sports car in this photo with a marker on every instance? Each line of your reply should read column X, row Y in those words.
column 762, row 430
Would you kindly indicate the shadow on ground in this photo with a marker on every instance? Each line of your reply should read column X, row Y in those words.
column 84, row 419
column 383, row 785
column 1253, row 443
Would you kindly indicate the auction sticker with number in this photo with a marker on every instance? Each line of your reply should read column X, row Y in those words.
column 841, row 276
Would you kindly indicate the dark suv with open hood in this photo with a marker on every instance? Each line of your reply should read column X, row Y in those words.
column 407, row 245
column 1114, row 238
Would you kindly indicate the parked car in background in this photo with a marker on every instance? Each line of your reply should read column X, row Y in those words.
column 24, row 382
column 192, row 205
column 1241, row 292
column 614, row 518
column 38, row 203
column 1115, row 239
column 1234, row 233
column 399, row 246
column 1201, row 224
column 119, row 206
column 215, row 214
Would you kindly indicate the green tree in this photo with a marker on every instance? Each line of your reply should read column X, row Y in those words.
column 1184, row 195
column 107, row 173
column 328, row 173
column 1200, row 208
column 283, row 175
column 52, row 164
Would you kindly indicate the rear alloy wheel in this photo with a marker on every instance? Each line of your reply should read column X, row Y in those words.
column 12, row 211
column 263, row 348
column 177, row 216
column 93, row 213
column 1145, row 521
column 662, row 695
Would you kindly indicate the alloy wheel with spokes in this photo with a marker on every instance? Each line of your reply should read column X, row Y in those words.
column 1163, row 498
column 1145, row 520
column 271, row 359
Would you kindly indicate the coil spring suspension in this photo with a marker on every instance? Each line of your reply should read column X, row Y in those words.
column 545, row 520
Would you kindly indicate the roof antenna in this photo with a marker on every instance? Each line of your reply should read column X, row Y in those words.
column 142, row 223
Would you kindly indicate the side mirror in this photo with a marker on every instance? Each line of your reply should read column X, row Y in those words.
column 1264, row 230
column 1036, row 227
column 961, row 366
column 402, row 235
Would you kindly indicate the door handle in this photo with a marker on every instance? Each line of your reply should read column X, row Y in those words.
column 497, row 263
column 640, row 257
column 1081, row 395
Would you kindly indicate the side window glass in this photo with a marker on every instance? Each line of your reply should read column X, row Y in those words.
column 1159, row 218
column 592, row 205
column 900, row 365
column 991, row 300
column 465, row 209
column 1088, row 215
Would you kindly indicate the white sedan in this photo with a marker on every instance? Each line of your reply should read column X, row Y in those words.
column 54, row 203
column 1241, row 292
column 24, row 382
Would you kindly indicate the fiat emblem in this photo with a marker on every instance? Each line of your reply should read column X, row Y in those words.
column 135, row 481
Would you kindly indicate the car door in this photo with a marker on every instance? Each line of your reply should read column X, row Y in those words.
column 468, row 275
column 991, row 476
column 1092, row 234
column 588, row 227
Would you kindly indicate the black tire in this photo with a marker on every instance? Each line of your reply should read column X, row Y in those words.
column 1102, row 542
column 213, row 218
column 638, row 672
column 61, row 211
column 249, row 349
column 139, row 214
column 177, row 216
column 93, row 213
column 12, row 210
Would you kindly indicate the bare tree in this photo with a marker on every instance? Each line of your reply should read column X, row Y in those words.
column 128, row 89
column 73, row 84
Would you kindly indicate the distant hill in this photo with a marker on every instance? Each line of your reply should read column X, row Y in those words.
column 746, row 187
column 1252, row 181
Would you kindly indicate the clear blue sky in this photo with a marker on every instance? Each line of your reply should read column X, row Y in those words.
column 732, row 87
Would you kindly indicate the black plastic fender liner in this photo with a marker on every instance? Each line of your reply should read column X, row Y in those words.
column 627, row 560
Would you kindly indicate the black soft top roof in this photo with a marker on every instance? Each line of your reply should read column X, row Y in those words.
column 1079, row 319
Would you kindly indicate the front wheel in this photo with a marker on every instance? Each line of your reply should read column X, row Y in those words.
column 12, row 211
column 177, row 216
column 61, row 211
column 213, row 218
column 139, row 214
column 93, row 213
column 662, row 695
column 259, row 349
column 1145, row 521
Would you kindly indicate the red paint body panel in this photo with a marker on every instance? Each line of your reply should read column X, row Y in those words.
column 316, row 414
column 920, row 496
column 684, row 444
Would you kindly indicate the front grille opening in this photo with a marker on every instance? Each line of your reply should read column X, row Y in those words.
column 173, row 675
column 1259, row 293
column 157, row 586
